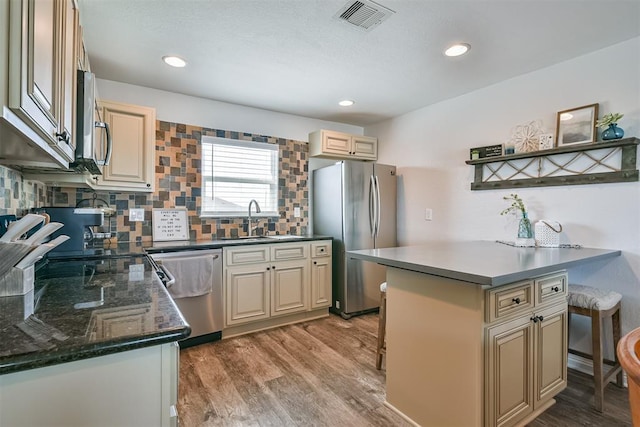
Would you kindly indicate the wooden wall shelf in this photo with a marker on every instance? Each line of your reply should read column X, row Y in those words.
column 553, row 167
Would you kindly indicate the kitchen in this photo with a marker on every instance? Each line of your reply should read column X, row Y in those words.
column 429, row 148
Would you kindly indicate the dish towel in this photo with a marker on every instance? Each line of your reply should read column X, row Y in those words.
column 194, row 275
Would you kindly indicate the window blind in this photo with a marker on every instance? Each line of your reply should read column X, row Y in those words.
column 234, row 172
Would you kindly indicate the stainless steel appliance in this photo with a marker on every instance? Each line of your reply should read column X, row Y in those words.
column 79, row 224
column 88, row 155
column 194, row 281
column 355, row 203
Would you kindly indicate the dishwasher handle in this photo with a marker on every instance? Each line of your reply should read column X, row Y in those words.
column 167, row 274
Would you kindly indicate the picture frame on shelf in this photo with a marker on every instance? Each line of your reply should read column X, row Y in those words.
column 576, row 125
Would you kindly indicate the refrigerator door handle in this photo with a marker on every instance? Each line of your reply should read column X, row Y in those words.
column 378, row 210
column 372, row 206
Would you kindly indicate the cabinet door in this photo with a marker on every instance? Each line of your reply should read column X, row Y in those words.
column 247, row 293
column 321, row 282
column 132, row 160
column 336, row 143
column 68, row 99
column 365, row 147
column 550, row 353
column 290, row 284
column 35, row 67
column 509, row 372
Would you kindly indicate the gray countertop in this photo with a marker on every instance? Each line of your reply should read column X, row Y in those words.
column 482, row 262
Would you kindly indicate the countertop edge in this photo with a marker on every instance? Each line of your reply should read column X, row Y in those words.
column 481, row 279
column 28, row 362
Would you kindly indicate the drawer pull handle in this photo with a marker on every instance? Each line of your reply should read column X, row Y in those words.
column 516, row 300
column 555, row 289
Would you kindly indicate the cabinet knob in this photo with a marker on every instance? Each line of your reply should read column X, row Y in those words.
column 540, row 318
column 268, row 269
column 315, row 262
column 555, row 289
column 273, row 266
column 535, row 319
column 516, row 300
column 148, row 185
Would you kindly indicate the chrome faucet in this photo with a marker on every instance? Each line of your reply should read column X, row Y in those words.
column 250, row 229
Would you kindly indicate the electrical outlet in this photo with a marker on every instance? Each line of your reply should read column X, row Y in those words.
column 136, row 214
column 428, row 214
column 296, row 212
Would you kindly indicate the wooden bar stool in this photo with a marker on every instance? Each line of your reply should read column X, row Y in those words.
column 598, row 304
column 382, row 326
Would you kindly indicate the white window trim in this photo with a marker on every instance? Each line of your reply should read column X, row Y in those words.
column 206, row 139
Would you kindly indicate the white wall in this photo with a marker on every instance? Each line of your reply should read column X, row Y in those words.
column 430, row 146
column 173, row 107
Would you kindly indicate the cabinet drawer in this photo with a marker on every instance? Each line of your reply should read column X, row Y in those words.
column 509, row 300
column 250, row 255
column 285, row 251
column 551, row 288
column 320, row 249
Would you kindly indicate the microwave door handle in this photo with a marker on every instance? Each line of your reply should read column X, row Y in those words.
column 107, row 157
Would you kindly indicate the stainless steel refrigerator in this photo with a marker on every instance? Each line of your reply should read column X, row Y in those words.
column 355, row 203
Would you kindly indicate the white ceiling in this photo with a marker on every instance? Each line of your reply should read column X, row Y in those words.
column 293, row 56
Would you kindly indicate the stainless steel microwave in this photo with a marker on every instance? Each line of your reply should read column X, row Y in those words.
column 91, row 152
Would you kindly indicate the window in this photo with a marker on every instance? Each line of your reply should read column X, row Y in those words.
column 234, row 172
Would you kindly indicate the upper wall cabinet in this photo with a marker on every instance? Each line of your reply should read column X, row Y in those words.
column 132, row 166
column 338, row 145
column 38, row 125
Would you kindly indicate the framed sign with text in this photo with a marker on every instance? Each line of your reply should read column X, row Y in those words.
column 170, row 224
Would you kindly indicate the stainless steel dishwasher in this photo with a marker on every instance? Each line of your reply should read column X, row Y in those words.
column 194, row 281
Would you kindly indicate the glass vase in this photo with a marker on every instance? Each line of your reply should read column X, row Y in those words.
column 524, row 227
column 612, row 132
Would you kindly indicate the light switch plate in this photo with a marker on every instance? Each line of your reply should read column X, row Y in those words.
column 136, row 214
column 296, row 212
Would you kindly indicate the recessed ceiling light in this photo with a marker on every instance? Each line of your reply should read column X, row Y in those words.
column 346, row 103
column 457, row 49
column 174, row 61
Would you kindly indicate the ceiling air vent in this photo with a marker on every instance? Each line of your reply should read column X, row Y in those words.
column 363, row 14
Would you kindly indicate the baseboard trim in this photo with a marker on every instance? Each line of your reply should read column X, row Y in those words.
column 400, row 414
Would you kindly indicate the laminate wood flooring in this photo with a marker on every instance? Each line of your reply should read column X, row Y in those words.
column 322, row 373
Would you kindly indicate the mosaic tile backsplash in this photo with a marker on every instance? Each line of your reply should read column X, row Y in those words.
column 178, row 182
column 18, row 194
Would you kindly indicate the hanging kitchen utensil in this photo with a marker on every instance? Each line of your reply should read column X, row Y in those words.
column 39, row 236
column 37, row 254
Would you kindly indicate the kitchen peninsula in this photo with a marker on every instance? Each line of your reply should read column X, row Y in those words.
column 476, row 331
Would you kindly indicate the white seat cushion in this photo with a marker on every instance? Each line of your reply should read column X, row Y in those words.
column 592, row 298
column 383, row 287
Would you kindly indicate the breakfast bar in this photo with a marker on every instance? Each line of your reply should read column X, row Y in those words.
column 476, row 331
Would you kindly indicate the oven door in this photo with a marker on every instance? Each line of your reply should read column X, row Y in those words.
column 194, row 280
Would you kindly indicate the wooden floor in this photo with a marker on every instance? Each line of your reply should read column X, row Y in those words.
column 322, row 373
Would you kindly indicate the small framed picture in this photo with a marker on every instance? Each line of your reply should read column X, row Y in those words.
column 577, row 125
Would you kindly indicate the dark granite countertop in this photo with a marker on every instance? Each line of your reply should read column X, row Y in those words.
column 85, row 308
column 181, row 245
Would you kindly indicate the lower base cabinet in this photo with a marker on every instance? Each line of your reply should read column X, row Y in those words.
column 132, row 388
column 264, row 282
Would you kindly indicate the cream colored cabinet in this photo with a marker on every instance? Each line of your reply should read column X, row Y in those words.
column 142, row 384
column 132, row 166
column 269, row 284
column 332, row 144
column 42, row 76
column 263, row 281
column 247, row 293
column 321, row 274
column 289, row 287
column 526, row 338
